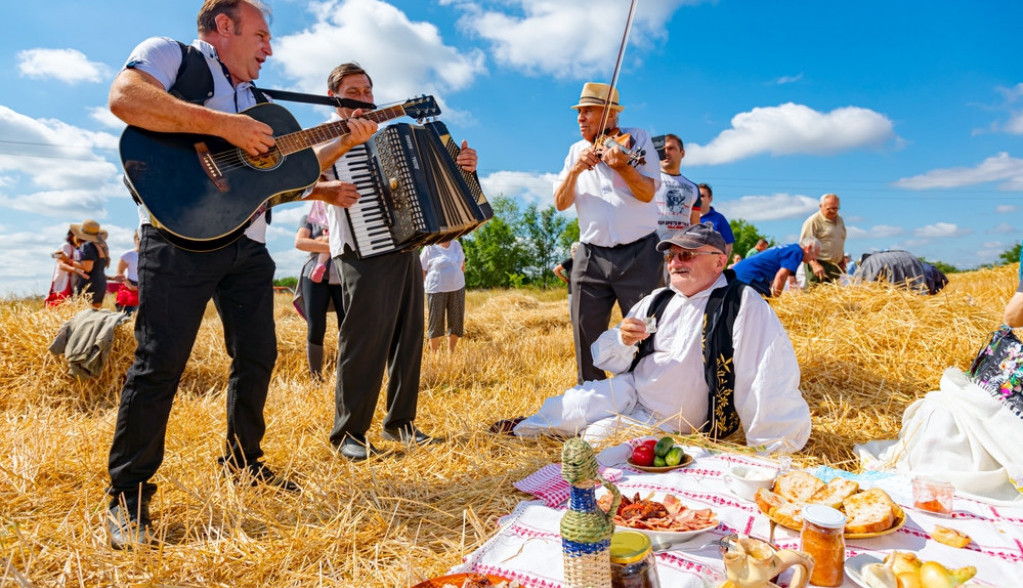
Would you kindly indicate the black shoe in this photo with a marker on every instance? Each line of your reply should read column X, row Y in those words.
column 408, row 435
column 506, row 427
column 357, row 449
column 258, row 473
column 129, row 527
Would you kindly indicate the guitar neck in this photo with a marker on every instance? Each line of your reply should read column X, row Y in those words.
column 306, row 138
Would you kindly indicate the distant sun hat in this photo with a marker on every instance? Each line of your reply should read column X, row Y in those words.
column 694, row 237
column 88, row 231
column 595, row 94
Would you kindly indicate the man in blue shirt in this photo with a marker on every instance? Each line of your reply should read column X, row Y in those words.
column 709, row 215
column 768, row 271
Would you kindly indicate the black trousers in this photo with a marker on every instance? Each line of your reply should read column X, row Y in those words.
column 602, row 276
column 383, row 327
column 318, row 297
column 175, row 287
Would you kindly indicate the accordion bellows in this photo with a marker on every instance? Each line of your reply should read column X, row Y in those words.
column 412, row 192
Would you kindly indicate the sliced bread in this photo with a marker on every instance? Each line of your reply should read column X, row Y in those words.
column 870, row 511
column 835, row 493
column 797, row 485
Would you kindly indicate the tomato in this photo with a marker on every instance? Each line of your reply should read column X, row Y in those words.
column 643, row 455
column 651, row 443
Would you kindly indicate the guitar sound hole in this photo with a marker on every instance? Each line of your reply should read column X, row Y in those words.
column 269, row 160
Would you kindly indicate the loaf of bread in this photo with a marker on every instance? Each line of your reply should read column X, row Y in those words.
column 835, row 493
column 797, row 486
column 870, row 511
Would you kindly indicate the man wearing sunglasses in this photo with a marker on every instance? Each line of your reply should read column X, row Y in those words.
column 686, row 374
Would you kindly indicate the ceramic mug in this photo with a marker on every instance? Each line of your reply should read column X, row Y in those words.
column 743, row 481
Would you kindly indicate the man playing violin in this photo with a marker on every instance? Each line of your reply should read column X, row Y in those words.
column 612, row 185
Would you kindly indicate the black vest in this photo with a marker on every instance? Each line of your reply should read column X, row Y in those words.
column 718, row 352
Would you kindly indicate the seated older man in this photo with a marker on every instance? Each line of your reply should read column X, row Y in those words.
column 736, row 368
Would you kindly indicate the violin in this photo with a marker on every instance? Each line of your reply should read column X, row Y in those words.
column 614, row 138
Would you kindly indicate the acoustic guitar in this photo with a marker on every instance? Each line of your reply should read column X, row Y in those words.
column 202, row 192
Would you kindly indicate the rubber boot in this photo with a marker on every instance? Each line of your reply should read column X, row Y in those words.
column 314, row 353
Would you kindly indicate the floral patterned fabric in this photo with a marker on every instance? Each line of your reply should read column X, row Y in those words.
column 998, row 368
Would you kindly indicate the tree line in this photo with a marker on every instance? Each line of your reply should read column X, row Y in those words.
column 522, row 243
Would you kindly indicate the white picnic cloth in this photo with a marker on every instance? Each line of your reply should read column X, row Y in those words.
column 527, row 547
column 960, row 434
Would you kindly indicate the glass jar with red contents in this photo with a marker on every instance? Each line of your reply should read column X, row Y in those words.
column 823, row 537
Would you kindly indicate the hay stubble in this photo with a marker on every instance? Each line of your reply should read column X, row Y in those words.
column 865, row 354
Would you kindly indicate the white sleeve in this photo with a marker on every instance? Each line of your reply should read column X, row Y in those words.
column 767, row 396
column 159, row 57
column 609, row 352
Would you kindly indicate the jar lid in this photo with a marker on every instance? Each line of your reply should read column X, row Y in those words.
column 629, row 546
column 823, row 516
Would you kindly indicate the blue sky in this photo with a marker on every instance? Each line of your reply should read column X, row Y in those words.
column 911, row 111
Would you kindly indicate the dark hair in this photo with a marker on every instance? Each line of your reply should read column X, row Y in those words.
column 345, row 69
column 681, row 145
column 206, row 22
column 707, row 188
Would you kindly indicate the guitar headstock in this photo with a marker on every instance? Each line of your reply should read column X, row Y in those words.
column 421, row 107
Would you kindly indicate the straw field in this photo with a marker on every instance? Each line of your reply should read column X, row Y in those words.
column 865, row 353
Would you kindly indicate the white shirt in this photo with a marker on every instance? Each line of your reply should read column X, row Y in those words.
column 670, row 382
column 675, row 200
column 608, row 212
column 443, row 267
column 131, row 259
column 160, row 57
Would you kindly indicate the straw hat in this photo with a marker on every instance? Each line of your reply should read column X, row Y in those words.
column 88, row 231
column 595, row 94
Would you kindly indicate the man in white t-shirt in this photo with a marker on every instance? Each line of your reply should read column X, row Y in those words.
column 613, row 194
column 678, row 199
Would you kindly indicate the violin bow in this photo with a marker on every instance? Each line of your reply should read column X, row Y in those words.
column 605, row 113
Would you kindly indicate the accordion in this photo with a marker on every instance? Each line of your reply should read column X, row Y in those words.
column 411, row 191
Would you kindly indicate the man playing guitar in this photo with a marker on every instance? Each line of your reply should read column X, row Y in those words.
column 175, row 285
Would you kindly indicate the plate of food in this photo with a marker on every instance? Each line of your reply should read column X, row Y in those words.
column 869, row 513
column 905, row 568
column 658, row 456
column 686, row 460
column 468, row 581
column 660, row 515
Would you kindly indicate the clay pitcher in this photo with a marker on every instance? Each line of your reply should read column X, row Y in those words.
column 751, row 563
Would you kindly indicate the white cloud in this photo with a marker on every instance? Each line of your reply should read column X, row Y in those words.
column 1006, row 208
column 570, row 38
column 766, row 208
column 1015, row 124
column 941, row 231
column 67, row 65
column 1001, row 167
column 404, row 58
column 789, row 79
column 1003, row 228
column 875, row 232
column 34, row 146
column 103, row 116
column 793, row 128
column 530, row 187
column 59, row 203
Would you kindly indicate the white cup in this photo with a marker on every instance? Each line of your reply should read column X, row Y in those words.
column 743, row 481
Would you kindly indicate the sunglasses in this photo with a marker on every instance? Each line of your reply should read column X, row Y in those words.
column 687, row 255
